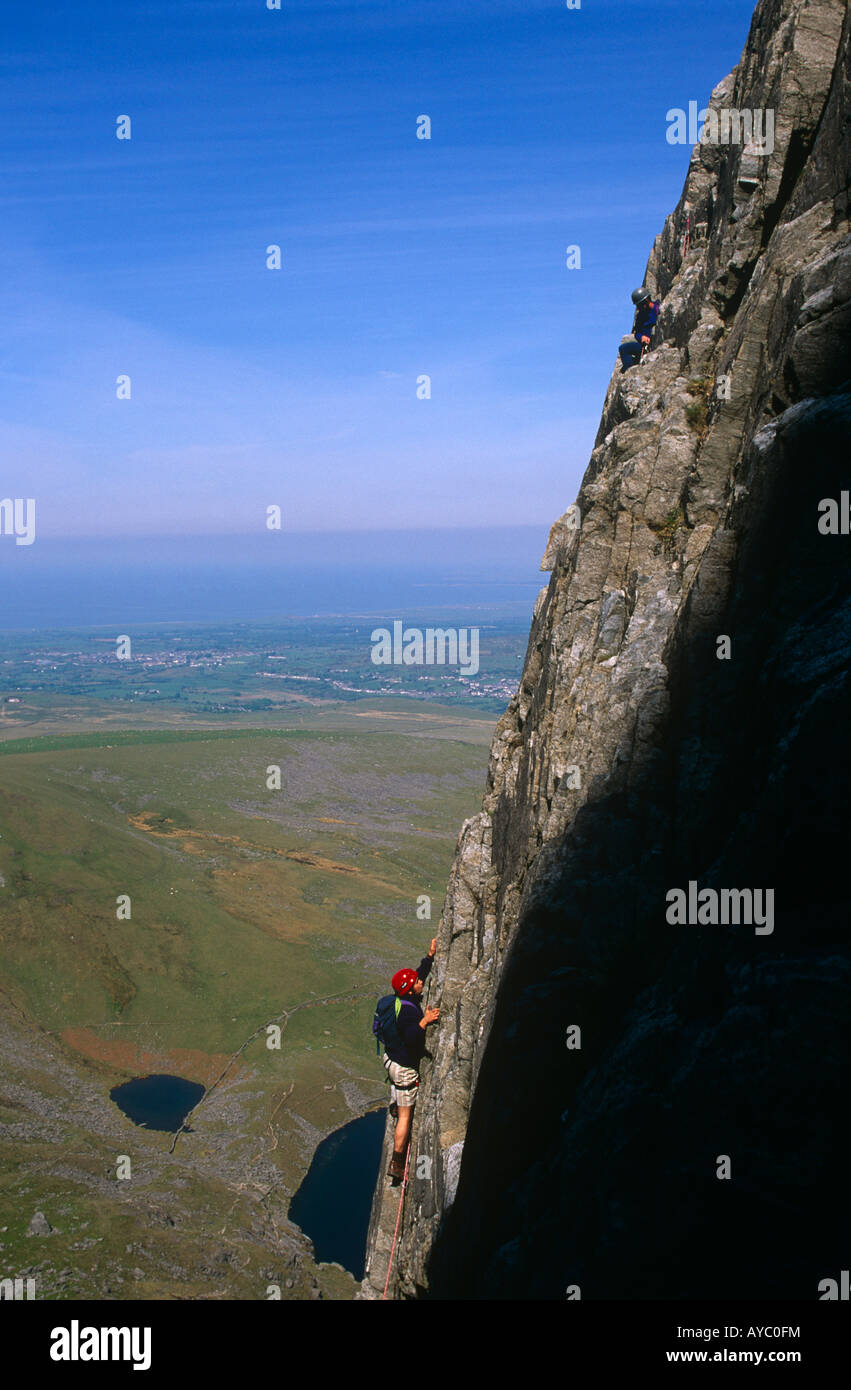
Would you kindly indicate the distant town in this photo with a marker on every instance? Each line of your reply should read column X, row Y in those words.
column 230, row 669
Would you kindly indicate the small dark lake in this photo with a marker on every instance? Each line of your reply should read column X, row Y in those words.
column 157, row 1102
column 332, row 1205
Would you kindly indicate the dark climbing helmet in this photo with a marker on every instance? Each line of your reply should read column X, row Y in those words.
column 639, row 296
column 404, row 980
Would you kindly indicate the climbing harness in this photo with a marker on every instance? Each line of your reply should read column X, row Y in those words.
column 398, row 1218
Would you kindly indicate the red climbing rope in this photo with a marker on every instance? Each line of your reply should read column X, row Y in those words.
column 398, row 1217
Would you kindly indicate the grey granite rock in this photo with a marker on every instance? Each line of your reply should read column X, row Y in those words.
column 632, row 760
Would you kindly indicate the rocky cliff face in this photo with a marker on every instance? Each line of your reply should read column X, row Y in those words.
column 642, row 752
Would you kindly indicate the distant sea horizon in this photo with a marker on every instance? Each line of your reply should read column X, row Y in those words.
column 114, row 581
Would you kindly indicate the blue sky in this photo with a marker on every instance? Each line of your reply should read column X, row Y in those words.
column 400, row 256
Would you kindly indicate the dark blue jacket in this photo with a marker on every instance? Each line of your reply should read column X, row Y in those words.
column 645, row 319
column 410, row 1051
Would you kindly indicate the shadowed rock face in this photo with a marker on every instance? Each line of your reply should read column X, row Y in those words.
column 634, row 759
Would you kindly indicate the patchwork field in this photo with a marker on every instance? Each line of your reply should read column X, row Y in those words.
column 160, row 906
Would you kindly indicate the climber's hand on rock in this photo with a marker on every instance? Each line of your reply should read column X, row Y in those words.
column 645, row 340
column 433, row 947
column 431, row 1016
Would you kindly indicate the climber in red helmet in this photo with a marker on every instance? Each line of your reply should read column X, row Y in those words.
column 401, row 1025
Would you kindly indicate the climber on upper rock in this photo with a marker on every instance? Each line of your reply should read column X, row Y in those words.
column 646, row 315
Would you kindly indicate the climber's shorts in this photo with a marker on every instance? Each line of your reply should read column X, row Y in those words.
column 403, row 1083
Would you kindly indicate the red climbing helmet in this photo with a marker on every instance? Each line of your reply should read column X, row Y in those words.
column 404, row 980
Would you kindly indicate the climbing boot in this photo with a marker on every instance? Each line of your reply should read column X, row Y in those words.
column 397, row 1167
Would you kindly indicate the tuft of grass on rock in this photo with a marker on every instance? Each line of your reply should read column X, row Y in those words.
column 673, row 521
column 696, row 415
column 667, row 530
column 697, row 411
